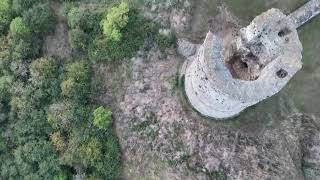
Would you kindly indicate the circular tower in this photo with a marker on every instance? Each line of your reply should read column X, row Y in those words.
column 227, row 76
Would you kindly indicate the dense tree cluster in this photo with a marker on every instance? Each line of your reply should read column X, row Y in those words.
column 49, row 127
column 114, row 34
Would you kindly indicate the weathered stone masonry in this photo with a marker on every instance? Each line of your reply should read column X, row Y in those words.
column 227, row 76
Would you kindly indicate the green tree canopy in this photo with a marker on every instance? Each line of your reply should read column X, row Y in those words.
column 43, row 69
column 37, row 160
column 116, row 19
column 5, row 15
column 102, row 118
column 77, row 85
column 19, row 6
column 5, row 84
column 78, row 39
column 84, row 19
column 19, row 28
column 39, row 19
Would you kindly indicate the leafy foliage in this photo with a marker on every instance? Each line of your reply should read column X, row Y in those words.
column 78, row 39
column 84, row 19
column 133, row 37
column 76, row 85
column 164, row 41
column 19, row 28
column 39, row 19
column 19, row 6
column 50, row 128
column 116, row 19
column 5, row 15
column 5, row 85
column 102, row 118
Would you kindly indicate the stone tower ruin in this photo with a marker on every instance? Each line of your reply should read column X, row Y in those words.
column 231, row 74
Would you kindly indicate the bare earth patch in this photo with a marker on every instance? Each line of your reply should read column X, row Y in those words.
column 57, row 44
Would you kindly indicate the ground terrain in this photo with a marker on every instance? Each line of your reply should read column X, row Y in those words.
column 163, row 138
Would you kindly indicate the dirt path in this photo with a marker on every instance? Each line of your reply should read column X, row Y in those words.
column 57, row 44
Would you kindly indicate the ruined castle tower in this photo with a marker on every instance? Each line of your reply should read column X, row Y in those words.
column 231, row 74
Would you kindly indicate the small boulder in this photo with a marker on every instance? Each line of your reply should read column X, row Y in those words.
column 186, row 48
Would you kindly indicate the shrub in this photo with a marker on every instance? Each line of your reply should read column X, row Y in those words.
column 78, row 39
column 164, row 41
column 102, row 118
column 39, row 19
column 116, row 19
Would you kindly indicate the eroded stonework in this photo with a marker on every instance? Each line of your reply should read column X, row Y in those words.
column 231, row 74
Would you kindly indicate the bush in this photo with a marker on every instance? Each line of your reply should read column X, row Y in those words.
column 164, row 41
column 78, row 39
column 5, row 15
column 115, row 21
column 39, row 19
column 102, row 118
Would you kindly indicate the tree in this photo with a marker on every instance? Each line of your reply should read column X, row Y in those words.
column 91, row 152
column 58, row 141
column 5, row 85
column 5, row 15
column 84, row 19
column 78, row 39
column 24, row 47
column 76, row 86
column 116, row 19
column 45, row 75
column 19, row 28
column 80, row 71
column 102, row 118
column 3, row 146
column 39, row 19
column 19, row 6
column 133, row 36
column 5, row 57
column 77, row 17
column 37, row 160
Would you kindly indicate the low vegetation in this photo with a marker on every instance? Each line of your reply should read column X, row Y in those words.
column 120, row 34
